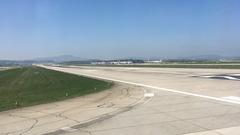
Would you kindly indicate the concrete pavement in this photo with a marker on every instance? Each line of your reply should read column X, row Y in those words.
column 59, row 116
column 170, row 112
column 148, row 101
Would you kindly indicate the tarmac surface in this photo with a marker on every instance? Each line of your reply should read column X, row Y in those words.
column 60, row 116
column 3, row 68
column 145, row 101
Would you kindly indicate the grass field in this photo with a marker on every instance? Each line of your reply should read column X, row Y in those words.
column 29, row 86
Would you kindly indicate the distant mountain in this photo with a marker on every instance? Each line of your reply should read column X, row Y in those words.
column 61, row 58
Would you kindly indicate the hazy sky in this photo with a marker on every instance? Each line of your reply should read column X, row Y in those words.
column 119, row 28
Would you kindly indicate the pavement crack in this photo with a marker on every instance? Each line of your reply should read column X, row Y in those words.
column 87, row 131
column 28, row 129
column 61, row 115
column 109, row 115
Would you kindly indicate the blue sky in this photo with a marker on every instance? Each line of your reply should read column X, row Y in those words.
column 119, row 28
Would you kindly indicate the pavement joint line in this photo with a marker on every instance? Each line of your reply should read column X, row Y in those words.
column 162, row 89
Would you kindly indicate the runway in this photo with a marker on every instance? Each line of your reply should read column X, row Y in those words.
column 182, row 102
column 184, row 81
column 147, row 101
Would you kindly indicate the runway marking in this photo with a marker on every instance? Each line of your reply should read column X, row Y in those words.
column 223, row 77
column 164, row 89
column 230, row 77
column 90, row 70
column 149, row 95
column 232, row 98
column 131, row 68
column 69, row 129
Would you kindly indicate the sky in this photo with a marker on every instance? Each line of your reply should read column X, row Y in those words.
column 108, row 29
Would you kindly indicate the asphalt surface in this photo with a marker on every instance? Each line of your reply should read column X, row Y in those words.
column 147, row 101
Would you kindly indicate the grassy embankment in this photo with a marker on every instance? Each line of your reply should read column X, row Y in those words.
column 29, row 86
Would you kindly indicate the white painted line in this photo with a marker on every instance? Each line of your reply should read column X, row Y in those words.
column 230, row 77
column 131, row 68
column 232, row 98
column 207, row 76
column 149, row 95
column 158, row 88
column 69, row 129
column 165, row 89
column 226, row 77
column 89, row 70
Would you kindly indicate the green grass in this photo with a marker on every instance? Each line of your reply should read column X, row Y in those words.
column 29, row 86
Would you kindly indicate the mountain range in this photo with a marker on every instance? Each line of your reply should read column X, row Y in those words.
column 61, row 58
